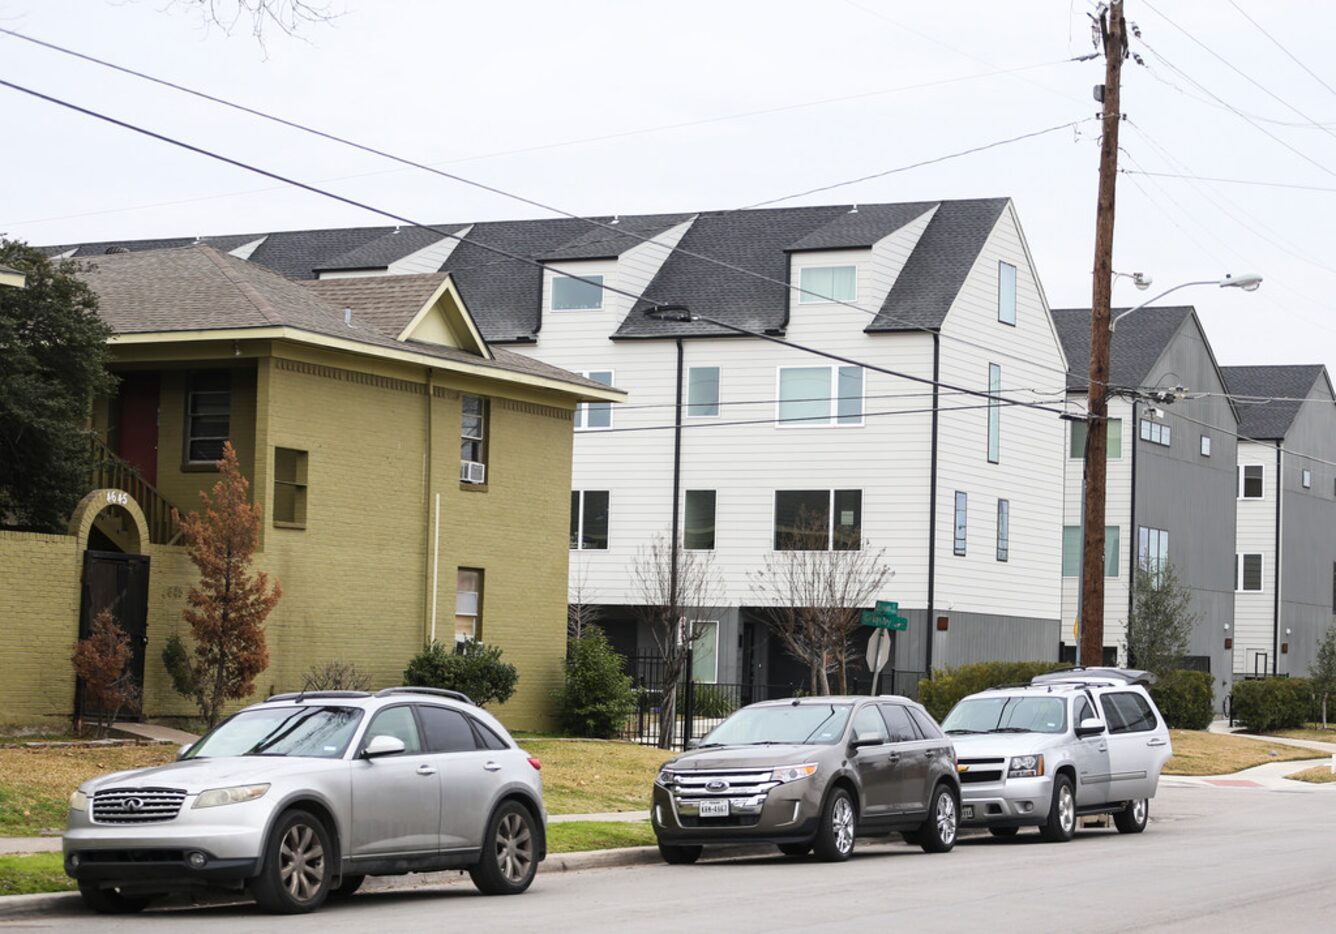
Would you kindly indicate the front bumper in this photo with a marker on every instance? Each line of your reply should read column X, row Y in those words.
column 1014, row 802
column 154, row 868
column 788, row 813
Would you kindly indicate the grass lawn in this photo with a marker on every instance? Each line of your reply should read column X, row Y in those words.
column 591, row 777
column 26, row 875
column 1317, row 775
column 1313, row 731
column 579, row 835
column 35, row 784
column 1197, row 752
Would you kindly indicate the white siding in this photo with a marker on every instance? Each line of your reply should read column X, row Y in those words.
column 429, row 258
column 1255, row 613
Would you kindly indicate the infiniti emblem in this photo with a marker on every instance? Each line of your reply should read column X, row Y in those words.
column 133, row 804
column 716, row 785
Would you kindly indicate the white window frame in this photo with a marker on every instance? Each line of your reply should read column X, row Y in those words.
column 1015, row 290
column 831, row 524
column 1205, row 446
column 832, row 399
column 476, row 615
column 582, row 410
column 806, row 297
column 552, row 292
column 994, row 441
column 1242, row 485
column 1306, row 478
column 580, row 523
column 1238, row 571
column 696, row 641
column 718, row 396
column 1003, row 529
column 1154, row 431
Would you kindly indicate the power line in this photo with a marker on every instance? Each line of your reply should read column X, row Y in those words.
column 723, row 403
column 1232, row 181
column 1294, row 58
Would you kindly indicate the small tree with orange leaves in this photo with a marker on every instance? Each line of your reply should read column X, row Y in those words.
column 101, row 661
column 226, row 611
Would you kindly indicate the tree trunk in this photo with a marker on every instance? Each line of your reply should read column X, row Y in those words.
column 668, row 716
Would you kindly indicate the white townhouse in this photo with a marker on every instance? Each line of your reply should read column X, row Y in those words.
column 962, row 490
column 1285, row 555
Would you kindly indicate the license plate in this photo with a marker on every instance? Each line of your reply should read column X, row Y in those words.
column 968, row 812
column 714, row 809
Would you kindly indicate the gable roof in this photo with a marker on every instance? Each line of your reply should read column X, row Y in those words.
column 1270, row 420
column 1133, row 348
column 601, row 243
column 862, row 226
column 380, row 252
column 397, row 305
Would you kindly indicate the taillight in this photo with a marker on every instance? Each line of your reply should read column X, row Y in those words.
column 537, row 766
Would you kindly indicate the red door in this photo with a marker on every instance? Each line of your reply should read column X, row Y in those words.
column 138, row 429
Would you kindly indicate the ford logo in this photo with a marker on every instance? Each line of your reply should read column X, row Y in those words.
column 133, row 804
column 716, row 785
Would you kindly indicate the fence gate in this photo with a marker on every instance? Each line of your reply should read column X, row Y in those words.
column 119, row 583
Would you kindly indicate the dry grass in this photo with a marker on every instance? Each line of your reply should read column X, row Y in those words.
column 1197, row 752
column 35, row 784
column 1314, row 732
column 1317, row 775
column 592, row 777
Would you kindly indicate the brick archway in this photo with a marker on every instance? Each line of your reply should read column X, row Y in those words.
column 92, row 505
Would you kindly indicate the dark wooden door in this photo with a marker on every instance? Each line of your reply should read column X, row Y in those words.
column 119, row 583
column 137, row 438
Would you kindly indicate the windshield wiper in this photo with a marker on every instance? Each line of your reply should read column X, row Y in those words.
column 964, row 731
column 710, row 745
column 1011, row 729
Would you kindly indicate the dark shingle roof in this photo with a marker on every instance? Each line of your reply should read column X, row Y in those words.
column 1263, row 420
column 601, row 243
column 931, row 279
column 1133, row 350
column 226, row 243
column 863, row 228
column 297, row 254
column 389, row 248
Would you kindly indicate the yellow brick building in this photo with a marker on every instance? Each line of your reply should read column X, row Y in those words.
column 414, row 481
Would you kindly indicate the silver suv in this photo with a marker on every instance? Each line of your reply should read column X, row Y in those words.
column 301, row 797
column 1071, row 743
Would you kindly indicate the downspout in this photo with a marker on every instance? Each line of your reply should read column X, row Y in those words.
column 677, row 478
column 1133, row 536
column 932, row 511
column 1275, row 628
column 429, row 531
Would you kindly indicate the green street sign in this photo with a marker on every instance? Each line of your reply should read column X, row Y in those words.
column 887, row 608
column 885, row 616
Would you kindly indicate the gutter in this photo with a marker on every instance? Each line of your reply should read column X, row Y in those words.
column 932, row 510
column 1133, row 535
column 677, row 480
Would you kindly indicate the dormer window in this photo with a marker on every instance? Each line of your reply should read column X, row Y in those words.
column 827, row 284
column 572, row 294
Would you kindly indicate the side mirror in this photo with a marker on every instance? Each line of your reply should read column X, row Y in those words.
column 181, row 753
column 866, row 739
column 1090, row 726
column 693, row 743
column 383, row 745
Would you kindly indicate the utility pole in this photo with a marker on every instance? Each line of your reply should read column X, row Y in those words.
column 1113, row 29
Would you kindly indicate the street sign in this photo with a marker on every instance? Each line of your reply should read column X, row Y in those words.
column 879, row 651
column 886, row 616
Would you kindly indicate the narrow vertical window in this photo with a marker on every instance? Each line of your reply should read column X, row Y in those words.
column 473, row 439
column 1205, row 445
column 703, row 391
column 1251, row 477
column 591, row 416
column 698, row 534
column 468, row 604
column 1306, row 478
column 1003, row 529
column 208, row 415
column 994, row 413
column 958, row 545
column 1006, row 293
column 589, row 520
column 289, row 507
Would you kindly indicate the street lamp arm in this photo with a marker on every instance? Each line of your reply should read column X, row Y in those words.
column 1113, row 323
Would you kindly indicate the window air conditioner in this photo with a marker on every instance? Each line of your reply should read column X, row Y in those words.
column 472, row 472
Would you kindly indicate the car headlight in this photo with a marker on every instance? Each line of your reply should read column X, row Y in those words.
column 792, row 773
column 215, row 797
column 664, row 777
column 78, row 801
column 1026, row 767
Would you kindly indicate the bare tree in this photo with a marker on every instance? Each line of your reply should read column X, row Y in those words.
column 287, row 16
column 813, row 594
column 580, row 612
column 668, row 603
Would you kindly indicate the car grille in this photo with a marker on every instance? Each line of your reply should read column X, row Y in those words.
column 721, row 783
column 978, row 770
column 137, row 805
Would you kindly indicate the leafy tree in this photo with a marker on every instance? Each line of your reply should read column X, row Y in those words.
column 1323, row 672
column 227, row 610
column 474, row 668
column 53, row 362
column 102, row 661
column 1159, row 631
column 597, row 698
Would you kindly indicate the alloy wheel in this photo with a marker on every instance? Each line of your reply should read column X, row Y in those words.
column 514, row 847
column 302, row 862
column 1139, row 811
column 946, row 818
column 842, row 819
column 1067, row 808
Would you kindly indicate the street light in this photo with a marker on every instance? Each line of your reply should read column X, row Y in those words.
column 1249, row 282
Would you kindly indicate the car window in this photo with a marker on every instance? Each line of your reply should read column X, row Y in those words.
column 1007, row 713
column 1133, row 713
column 399, row 723
column 867, row 722
column 489, row 738
column 924, row 722
column 320, row 732
column 446, row 730
column 897, row 721
column 1083, row 711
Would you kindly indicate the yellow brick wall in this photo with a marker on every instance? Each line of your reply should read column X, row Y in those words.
column 39, row 623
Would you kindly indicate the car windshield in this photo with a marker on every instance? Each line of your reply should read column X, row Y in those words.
column 1015, row 714
column 320, row 732
column 798, row 724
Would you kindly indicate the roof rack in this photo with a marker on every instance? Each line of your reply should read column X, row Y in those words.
column 303, row 695
column 439, row 692
column 1096, row 676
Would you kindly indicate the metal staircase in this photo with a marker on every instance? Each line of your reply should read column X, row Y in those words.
column 109, row 471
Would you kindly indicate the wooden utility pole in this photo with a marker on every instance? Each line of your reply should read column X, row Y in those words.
column 1113, row 28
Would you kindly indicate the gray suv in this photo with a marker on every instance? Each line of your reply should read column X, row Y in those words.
column 810, row 774
column 301, row 797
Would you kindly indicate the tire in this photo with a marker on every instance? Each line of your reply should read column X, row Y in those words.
column 1133, row 818
column 1004, row 831
column 910, row 836
column 938, row 833
column 110, row 901
column 298, row 866
column 795, row 849
column 347, row 887
column 679, row 855
column 1061, row 823
column 509, row 852
column 835, row 837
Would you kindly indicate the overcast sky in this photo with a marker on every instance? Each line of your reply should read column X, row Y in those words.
column 621, row 107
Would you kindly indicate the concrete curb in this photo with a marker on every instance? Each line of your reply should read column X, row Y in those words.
column 15, row 905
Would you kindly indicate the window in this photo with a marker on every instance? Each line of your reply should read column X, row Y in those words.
column 1003, row 529
column 398, row 722
column 827, row 284
column 818, row 520
column 1153, row 550
column 1006, row 293
column 994, row 412
column 1115, row 436
column 962, row 503
column 1306, row 478
column 898, row 724
column 1127, row 712
column 1084, row 711
column 1072, row 542
column 925, row 724
column 698, row 534
column 591, row 416
column 582, row 294
column 208, row 415
column 446, row 730
column 1247, row 573
column 472, row 438
column 806, row 394
column 1205, row 445
column 868, row 723
column 1251, row 478
column 705, row 651
column 468, row 604
column 289, row 488
column 703, row 391
column 589, row 520
column 1155, row 432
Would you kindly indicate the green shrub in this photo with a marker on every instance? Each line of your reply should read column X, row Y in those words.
column 1185, row 698
column 710, row 701
column 1266, row 704
column 949, row 685
column 474, row 668
column 597, row 698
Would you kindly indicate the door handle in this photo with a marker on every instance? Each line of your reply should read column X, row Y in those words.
column 492, row 766
column 425, row 769
column 893, row 757
column 929, row 753
column 1155, row 742
column 1102, row 747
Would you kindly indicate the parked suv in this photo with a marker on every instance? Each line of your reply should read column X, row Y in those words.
column 811, row 774
column 1071, row 743
column 301, row 797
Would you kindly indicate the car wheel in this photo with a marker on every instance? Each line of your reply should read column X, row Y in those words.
column 509, row 852
column 1061, row 824
column 795, row 849
column 348, row 886
column 297, row 868
column 679, row 855
column 1004, row 831
column 1133, row 818
column 910, row 836
column 835, row 839
column 938, row 833
column 110, row 901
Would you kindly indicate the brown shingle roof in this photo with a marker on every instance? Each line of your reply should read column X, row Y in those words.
column 387, row 303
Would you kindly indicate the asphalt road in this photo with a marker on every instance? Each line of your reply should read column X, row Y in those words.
column 1213, row 859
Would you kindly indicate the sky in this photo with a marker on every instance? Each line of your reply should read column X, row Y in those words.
column 604, row 107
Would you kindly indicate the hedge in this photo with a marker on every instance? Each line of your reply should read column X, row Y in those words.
column 949, row 685
column 1185, row 698
column 1266, row 704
